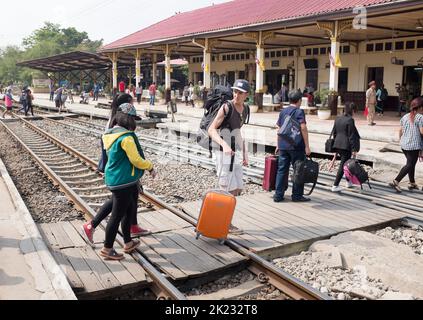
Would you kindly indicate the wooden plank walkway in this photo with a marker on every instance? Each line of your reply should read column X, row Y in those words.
column 269, row 227
column 172, row 247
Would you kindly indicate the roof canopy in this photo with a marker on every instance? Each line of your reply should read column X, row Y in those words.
column 241, row 14
column 72, row 61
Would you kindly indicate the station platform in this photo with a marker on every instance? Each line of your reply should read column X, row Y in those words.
column 27, row 269
column 261, row 131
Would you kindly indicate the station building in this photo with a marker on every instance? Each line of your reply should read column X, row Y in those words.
column 330, row 44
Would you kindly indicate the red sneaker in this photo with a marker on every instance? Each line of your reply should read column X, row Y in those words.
column 88, row 233
column 137, row 231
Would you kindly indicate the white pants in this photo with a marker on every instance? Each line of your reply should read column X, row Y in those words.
column 229, row 181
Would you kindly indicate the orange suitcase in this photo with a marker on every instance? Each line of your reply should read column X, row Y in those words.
column 216, row 215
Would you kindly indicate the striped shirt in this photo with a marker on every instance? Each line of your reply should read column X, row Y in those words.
column 411, row 138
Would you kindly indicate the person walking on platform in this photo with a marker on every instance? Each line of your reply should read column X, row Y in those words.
column 191, row 94
column 58, row 98
column 51, row 87
column 371, row 101
column 289, row 153
column 346, row 141
column 96, row 91
column 88, row 228
column 138, row 92
column 122, row 86
column 29, row 102
column 126, row 165
column 8, row 101
column 231, row 153
column 411, row 143
column 381, row 96
column 152, row 91
column 403, row 99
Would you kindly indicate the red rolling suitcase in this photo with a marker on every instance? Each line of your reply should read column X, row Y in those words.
column 270, row 171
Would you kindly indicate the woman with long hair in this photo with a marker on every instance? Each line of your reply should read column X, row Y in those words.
column 346, row 142
column 411, row 144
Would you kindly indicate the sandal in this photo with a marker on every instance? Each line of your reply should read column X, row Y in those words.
column 112, row 255
column 413, row 186
column 133, row 247
column 394, row 184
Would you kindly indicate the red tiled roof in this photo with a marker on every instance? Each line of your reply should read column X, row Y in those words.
column 234, row 14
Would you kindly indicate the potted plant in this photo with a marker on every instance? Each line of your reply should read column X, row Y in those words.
column 198, row 102
column 251, row 103
column 323, row 111
column 161, row 96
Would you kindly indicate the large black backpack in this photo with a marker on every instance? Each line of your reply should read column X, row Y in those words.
column 306, row 171
column 215, row 100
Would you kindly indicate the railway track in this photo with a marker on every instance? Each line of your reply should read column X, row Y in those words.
column 380, row 192
column 77, row 177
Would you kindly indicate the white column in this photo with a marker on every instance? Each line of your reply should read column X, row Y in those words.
column 168, row 72
column 260, row 71
column 115, row 73
column 207, row 66
column 155, row 68
column 334, row 70
column 137, row 70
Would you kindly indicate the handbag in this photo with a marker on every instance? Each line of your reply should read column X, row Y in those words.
column 329, row 143
column 366, row 111
column 306, row 171
column 101, row 167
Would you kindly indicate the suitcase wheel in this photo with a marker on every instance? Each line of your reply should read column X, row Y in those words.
column 198, row 235
column 222, row 242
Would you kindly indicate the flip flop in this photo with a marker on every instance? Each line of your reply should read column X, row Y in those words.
column 133, row 247
column 112, row 255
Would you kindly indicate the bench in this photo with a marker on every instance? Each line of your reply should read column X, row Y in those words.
column 305, row 106
column 268, row 104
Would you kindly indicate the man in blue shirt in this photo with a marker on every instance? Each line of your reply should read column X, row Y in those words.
column 289, row 152
column 96, row 91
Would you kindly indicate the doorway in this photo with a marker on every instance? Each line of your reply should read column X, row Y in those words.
column 274, row 80
column 413, row 80
column 231, row 78
column 312, row 77
column 343, row 81
column 375, row 74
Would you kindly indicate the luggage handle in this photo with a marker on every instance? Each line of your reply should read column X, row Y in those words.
column 230, row 169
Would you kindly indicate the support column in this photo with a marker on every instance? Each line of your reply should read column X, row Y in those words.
column 334, row 70
column 138, row 68
column 115, row 71
column 207, row 65
column 155, row 68
column 168, row 72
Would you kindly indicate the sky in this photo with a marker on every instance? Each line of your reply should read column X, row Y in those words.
column 109, row 20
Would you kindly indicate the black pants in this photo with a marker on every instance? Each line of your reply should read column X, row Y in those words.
column 345, row 156
column 29, row 107
column 410, row 168
column 107, row 208
column 123, row 206
column 139, row 96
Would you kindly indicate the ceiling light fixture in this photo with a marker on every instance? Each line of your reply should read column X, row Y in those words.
column 419, row 25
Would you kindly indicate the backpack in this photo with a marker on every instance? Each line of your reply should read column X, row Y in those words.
column 306, row 171
column 215, row 100
column 355, row 173
column 290, row 130
column 383, row 94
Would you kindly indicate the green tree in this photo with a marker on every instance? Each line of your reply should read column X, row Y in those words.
column 46, row 41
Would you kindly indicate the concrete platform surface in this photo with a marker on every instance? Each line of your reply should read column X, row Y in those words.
column 27, row 270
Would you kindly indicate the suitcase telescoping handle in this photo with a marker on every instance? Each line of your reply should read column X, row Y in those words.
column 231, row 169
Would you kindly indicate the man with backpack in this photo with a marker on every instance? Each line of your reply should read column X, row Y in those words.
column 293, row 145
column 382, row 96
column 229, row 145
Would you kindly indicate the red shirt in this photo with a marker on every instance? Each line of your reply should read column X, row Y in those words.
column 122, row 86
column 152, row 89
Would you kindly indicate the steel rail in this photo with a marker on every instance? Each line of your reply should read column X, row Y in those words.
column 264, row 270
column 164, row 285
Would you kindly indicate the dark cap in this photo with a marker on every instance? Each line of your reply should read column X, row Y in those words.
column 241, row 85
column 295, row 96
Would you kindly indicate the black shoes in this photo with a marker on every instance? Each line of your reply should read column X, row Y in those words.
column 302, row 199
column 277, row 200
